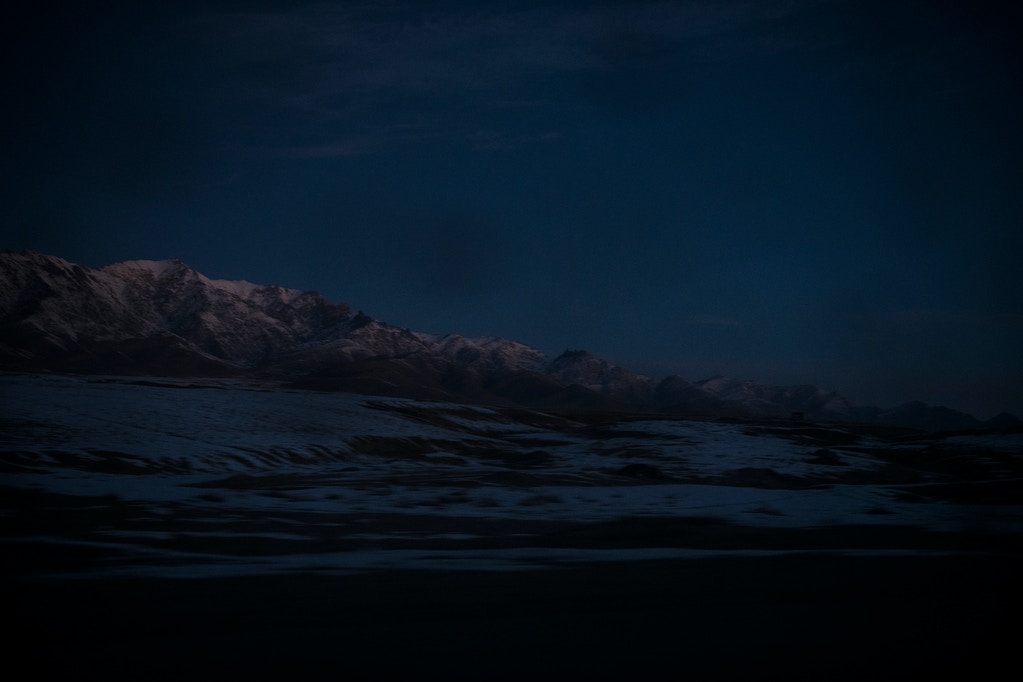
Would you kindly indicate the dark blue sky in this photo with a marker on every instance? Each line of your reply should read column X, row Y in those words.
column 807, row 191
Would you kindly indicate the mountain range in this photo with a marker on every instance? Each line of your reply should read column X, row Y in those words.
column 163, row 318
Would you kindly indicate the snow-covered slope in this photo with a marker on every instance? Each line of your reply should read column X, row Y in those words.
column 227, row 477
column 488, row 353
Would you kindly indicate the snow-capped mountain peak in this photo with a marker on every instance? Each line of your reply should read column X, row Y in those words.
column 490, row 353
column 163, row 317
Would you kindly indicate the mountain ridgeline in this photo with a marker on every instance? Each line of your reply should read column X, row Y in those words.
column 163, row 318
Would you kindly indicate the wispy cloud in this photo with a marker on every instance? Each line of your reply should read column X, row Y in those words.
column 714, row 321
column 328, row 150
column 335, row 66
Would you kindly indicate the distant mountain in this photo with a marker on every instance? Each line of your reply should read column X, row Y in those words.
column 581, row 368
column 763, row 400
column 925, row 417
column 164, row 318
column 60, row 315
column 1003, row 422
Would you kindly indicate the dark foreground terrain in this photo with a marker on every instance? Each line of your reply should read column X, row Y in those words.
column 226, row 531
column 774, row 617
